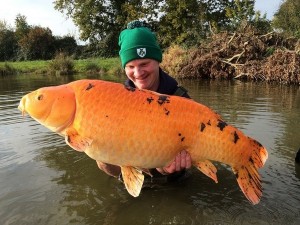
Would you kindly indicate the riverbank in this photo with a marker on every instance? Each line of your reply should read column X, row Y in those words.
column 251, row 60
column 62, row 66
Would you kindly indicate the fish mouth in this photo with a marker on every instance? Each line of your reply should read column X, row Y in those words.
column 21, row 106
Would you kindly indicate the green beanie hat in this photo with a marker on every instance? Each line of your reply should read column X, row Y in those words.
column 138, row 42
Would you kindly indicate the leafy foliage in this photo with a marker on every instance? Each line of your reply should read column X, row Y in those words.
column 96, row 19
column 287, row 18
column 28, row 42
column 175, row 21
column 22, row 27
column 180, row 23
column 37, row 44
column 186, row 23
column 240, row 11
column 8, row 42
column 62, row 64
column 66, row 44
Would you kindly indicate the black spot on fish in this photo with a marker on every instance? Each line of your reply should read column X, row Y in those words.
column 202, row 127
column 251, row 160
column 129, row 88
column 89, row 87
column 208, row 123
column 236, row 137
column 182, row 138
column 167, row 112
column 221, row 125
column 150, row 100
column 257, row 143
column 162, row 99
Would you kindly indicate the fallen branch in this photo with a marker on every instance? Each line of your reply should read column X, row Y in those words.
column 241, row 75
column 235, row 65
column 255, row 77
column 225, row 46
column 236, row 56
column 267, row 34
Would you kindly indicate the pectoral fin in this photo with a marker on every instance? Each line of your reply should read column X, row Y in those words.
column 133, row 179
column 208, row 169
column 75, row 141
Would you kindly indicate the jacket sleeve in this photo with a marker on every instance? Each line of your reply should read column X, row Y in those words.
column 182, row 92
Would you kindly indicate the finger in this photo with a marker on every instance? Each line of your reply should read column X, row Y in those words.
column 162, row 171
column 183, row 159
column 170, row 168
column 177, row 162
column 188, row 161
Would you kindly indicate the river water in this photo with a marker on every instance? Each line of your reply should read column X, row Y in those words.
column 43, row 181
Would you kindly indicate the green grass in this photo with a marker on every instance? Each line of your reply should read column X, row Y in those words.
column 110, row 65
column 27, row 66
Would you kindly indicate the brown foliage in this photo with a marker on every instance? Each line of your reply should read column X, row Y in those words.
column 173, row 58
column 244, row 54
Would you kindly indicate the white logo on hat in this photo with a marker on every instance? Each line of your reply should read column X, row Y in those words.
column 141, row 52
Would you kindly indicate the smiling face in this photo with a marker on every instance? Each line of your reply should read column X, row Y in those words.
column 144, row 73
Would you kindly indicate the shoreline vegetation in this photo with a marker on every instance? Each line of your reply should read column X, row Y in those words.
column 62, row 65
column 243, row 55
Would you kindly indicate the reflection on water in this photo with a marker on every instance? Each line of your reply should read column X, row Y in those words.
column 43, row 181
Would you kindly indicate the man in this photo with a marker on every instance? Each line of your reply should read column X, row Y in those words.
column 140, row 56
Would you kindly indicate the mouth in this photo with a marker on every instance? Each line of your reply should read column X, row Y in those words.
column 141, row 78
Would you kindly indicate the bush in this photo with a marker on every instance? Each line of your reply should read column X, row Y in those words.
column 174, row 58
column 92, row 67
column 62, row 64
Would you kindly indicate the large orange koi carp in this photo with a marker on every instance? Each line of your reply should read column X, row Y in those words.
column 139, row 129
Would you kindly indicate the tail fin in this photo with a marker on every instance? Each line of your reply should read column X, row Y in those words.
column 247, row 175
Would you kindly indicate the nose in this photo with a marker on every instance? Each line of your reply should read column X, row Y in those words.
column 138, row 71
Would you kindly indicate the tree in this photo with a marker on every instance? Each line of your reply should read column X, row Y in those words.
column 66, row 44
column 22, row 27
column 240, row 11
column 180, row 22
column 215, row 13
column 175, row 21
column 95, row 19
column 37, row 44
column 287, row 18
column 100, row 21
column 8, row 42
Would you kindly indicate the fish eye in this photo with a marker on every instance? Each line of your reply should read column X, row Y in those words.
column 40, row 97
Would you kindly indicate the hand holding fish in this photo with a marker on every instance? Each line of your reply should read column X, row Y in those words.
column 182, row 161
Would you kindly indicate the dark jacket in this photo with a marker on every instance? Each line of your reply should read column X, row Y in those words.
column 167, row 85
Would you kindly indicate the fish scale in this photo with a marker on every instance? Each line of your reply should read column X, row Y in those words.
column 140, row 129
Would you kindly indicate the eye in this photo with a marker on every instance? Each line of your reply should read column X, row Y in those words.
column 130, row 67
column 40, row 97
